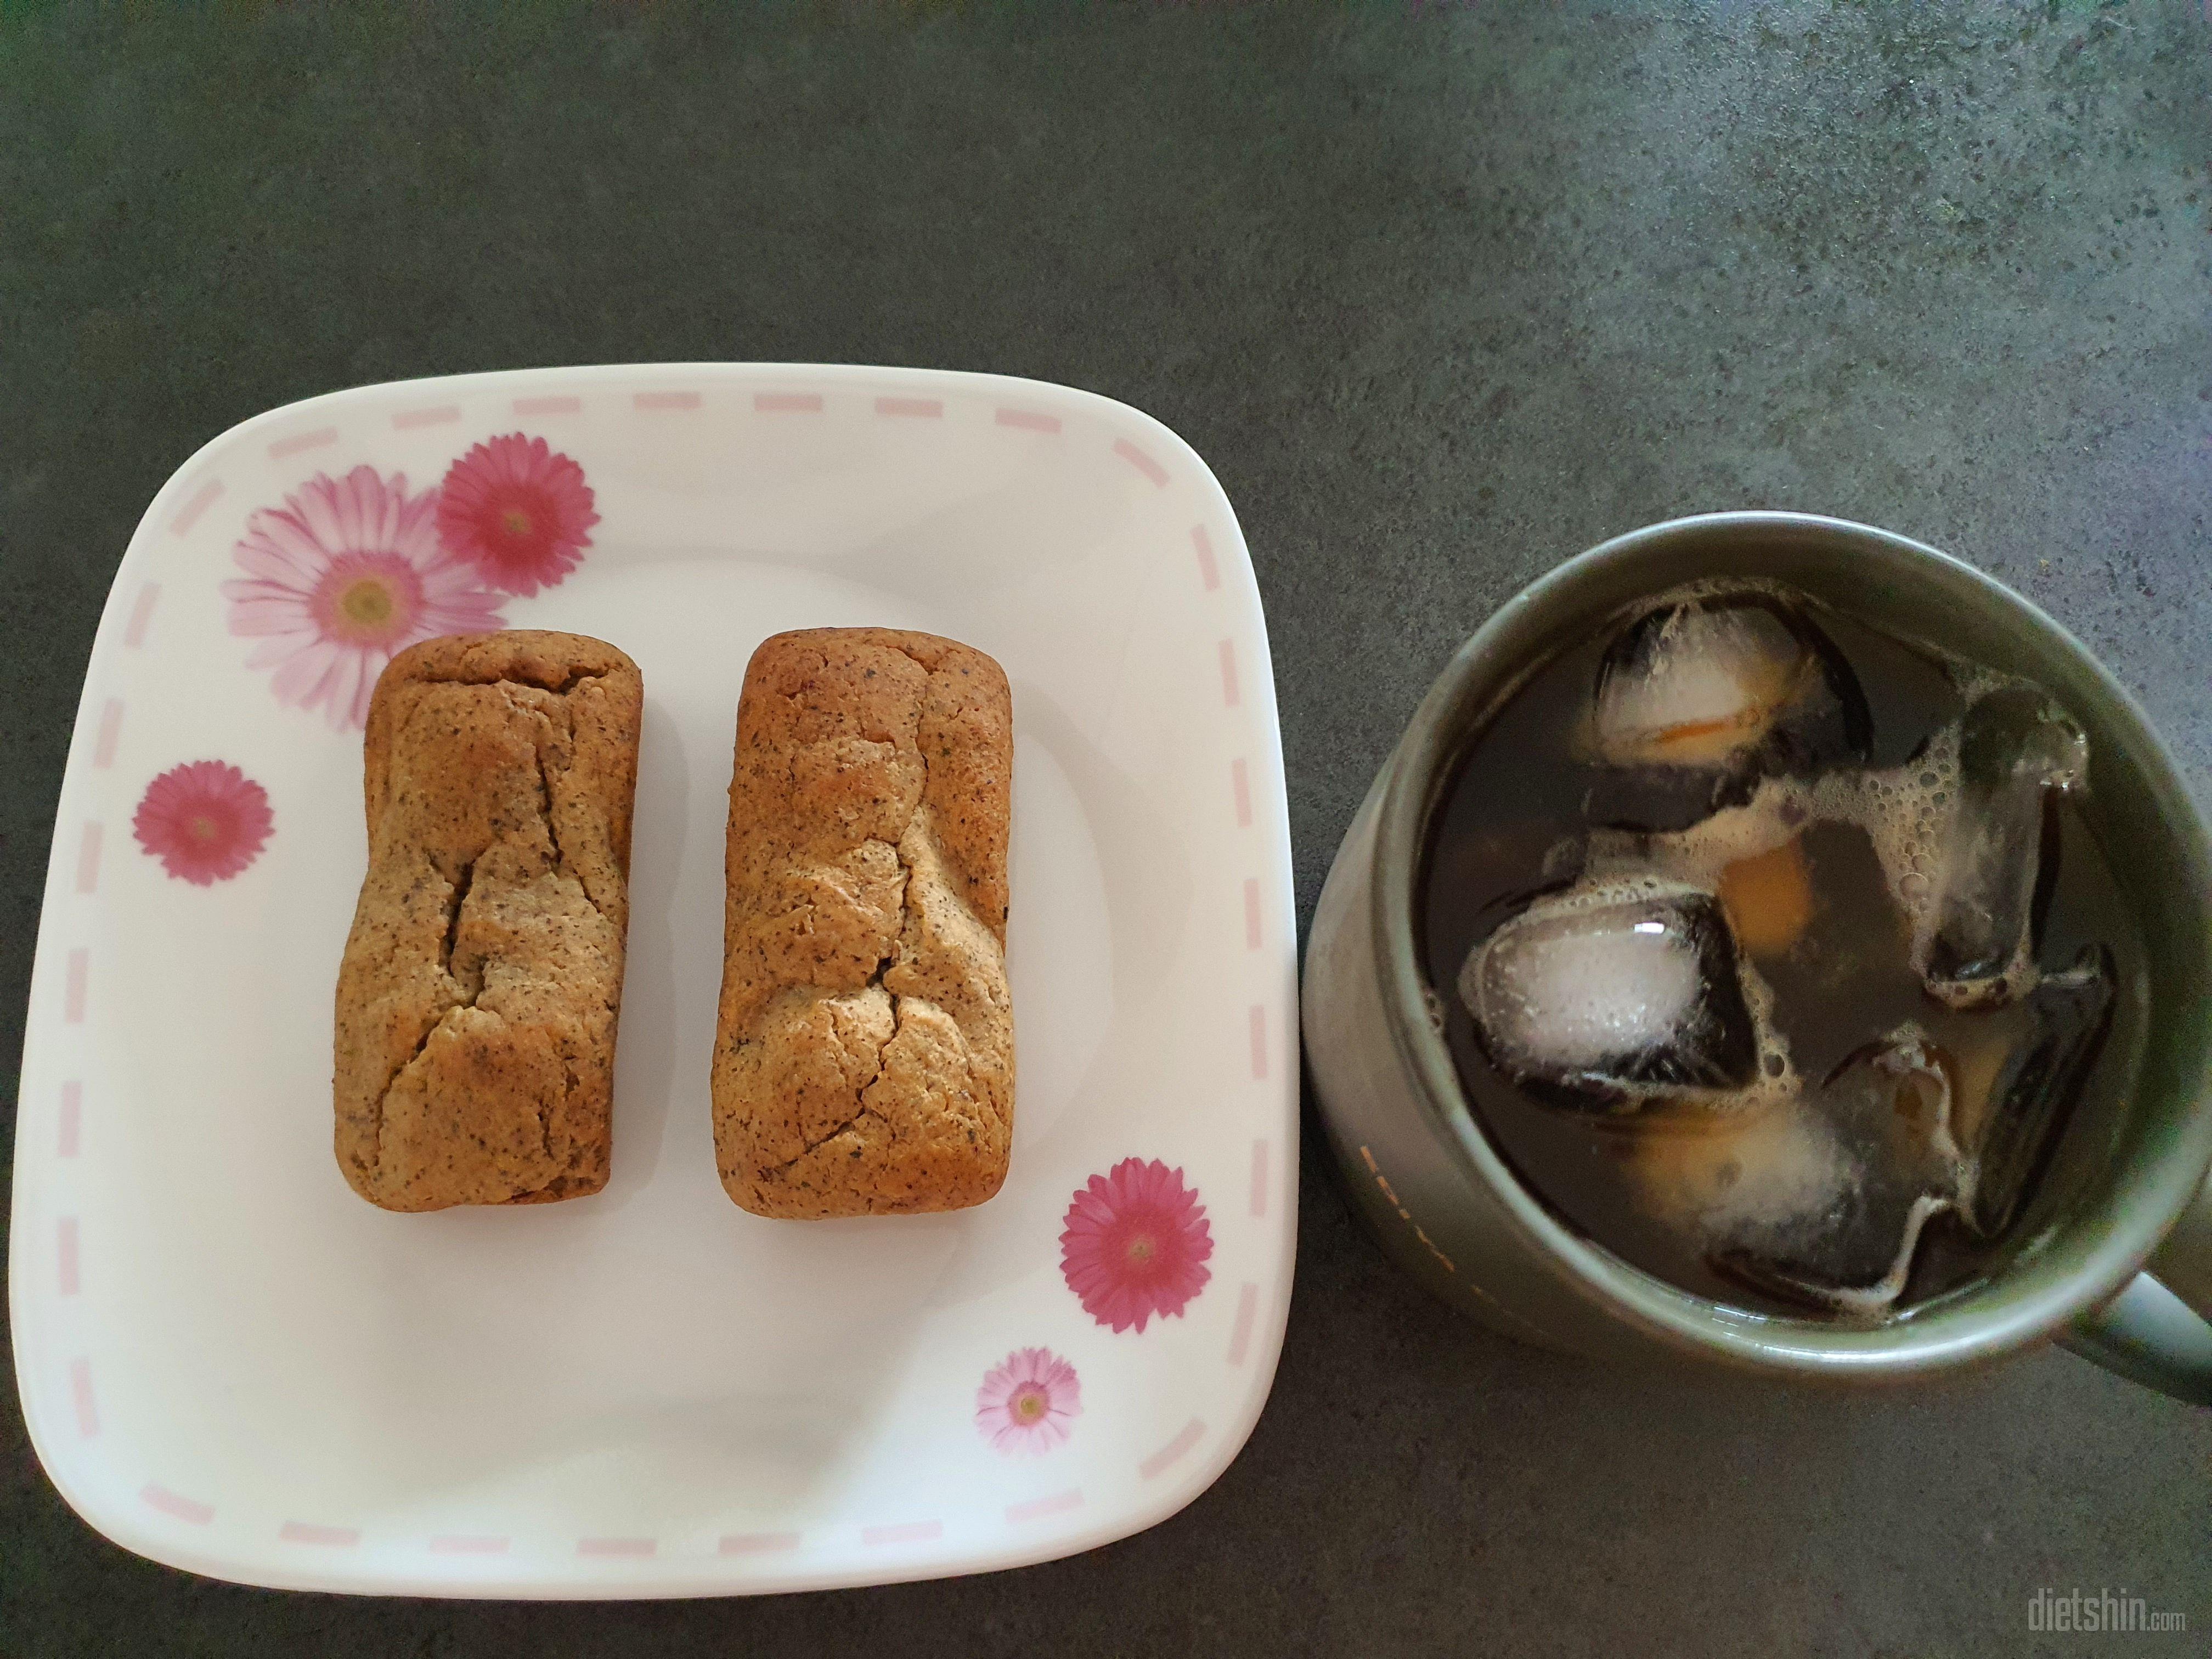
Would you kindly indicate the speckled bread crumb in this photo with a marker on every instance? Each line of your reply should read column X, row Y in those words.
column 477, row 999
column 864, row 1063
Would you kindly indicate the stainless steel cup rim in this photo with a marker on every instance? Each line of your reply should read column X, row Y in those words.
column 2026, row 1301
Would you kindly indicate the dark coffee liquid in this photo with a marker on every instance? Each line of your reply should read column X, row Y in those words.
column 1521, row 820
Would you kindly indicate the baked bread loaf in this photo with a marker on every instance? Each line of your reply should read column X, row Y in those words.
column 863, row 1061
column 477, row 999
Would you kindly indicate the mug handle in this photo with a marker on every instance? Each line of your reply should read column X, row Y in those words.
column 2154, row 1332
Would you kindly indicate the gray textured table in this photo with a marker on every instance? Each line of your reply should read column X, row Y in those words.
column 1444, row 293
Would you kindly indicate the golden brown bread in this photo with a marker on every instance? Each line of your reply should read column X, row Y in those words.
column 864, row 1062
column 477, row 999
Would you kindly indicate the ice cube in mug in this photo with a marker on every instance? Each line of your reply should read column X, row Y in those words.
column 1888, row 1108
column 2017, row 750
column 2066, row 1018
column 1610, row 991
column 1700, row 696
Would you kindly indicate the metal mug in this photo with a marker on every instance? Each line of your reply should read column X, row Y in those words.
column 1448, row 1206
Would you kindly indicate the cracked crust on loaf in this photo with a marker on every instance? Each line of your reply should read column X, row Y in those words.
column 477, row 998
column 864, row 1060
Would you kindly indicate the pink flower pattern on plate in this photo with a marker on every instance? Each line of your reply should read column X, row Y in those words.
column 521, row 511
column 1135, row 1245
column 206, row 820
column 343, row 577
column 1027, row 1400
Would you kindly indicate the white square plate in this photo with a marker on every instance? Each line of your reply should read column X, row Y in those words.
column 232, row 1365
